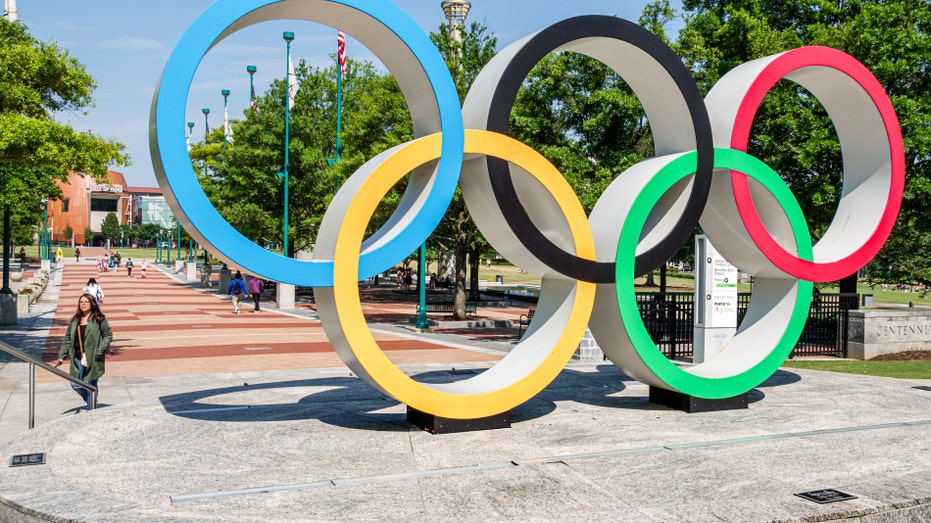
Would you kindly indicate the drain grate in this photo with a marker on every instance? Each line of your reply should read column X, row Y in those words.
column 825, row 496
column 28, row 459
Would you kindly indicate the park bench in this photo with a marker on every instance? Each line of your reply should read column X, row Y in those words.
column 446, row 306
column 524, row 320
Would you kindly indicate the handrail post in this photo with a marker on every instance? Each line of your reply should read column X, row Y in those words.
column 32, row 395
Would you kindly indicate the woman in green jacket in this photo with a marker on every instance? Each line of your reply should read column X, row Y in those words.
column 87, row 339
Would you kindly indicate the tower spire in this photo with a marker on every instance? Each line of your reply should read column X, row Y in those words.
column 9, row 10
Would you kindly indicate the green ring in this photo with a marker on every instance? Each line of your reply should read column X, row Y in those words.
column 674, row 377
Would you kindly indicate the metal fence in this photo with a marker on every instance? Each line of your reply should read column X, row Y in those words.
column 668, row 317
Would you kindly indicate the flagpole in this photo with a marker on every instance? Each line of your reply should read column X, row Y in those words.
column 288, row 37
column 340, row 64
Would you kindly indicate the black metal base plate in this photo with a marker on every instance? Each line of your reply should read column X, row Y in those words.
column 690, row 404
column 441, row 425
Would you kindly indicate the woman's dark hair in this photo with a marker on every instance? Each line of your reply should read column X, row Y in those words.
column 238, row 275
column 92, row 280
column 96, row 314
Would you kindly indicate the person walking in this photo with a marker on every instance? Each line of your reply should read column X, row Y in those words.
column 86, row 342
column 256, row 286
column 94, row 290
column 236, row 289
column 129, row 267
column 77, row 254
column 142, row 267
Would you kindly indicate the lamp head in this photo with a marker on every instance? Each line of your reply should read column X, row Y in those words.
column 206, row 110
column 288, row 36
column 225, row 92
column 251, row 69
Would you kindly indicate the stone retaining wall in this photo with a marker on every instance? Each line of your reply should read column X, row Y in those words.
column 874, row 332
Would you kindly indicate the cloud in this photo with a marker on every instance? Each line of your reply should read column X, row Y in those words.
column 132, row 44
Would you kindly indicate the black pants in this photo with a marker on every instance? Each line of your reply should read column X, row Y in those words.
column 255, row 299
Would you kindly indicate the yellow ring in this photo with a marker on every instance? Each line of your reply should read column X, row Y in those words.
column 445, row 400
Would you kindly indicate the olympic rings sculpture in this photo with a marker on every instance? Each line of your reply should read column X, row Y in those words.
column 700, row 174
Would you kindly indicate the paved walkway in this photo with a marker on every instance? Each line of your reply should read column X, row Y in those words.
column 210, row 416
column 165, row 327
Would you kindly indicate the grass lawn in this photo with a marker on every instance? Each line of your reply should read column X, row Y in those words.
column 920, row 369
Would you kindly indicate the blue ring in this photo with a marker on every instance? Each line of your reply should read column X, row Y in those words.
column 187, row 200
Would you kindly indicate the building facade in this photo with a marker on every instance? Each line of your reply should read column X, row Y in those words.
column 85, row 203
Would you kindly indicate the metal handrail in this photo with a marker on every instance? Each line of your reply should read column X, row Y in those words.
column 33, row 363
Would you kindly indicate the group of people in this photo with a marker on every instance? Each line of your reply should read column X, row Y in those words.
column 111, row 262
column 107, row 262
column 239, row 289
column 405, row 278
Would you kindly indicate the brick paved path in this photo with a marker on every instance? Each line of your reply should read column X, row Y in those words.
column 165, row 328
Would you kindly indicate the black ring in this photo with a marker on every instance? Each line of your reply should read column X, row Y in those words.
column 537, row 47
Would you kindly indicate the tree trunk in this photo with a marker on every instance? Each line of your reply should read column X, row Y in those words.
column 651, row 282
column 461, row 249
column 474, row 262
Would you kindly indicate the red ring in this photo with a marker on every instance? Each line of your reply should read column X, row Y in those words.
column 743, row 121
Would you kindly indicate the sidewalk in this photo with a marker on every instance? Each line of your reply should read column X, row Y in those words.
column 168, row 330
column 210, row 416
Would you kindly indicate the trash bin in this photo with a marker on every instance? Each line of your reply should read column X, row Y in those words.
column 499, row 278
column 867, row 300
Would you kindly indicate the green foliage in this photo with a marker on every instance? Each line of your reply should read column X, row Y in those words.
column 37, row 80
column 88, row 236
column 110, row 228
column 147, row 231
column 68, row 232
column 791, row 131
column 920, row 369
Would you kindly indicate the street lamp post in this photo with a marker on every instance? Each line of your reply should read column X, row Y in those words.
column 7, row 238
column 44, row 254
column 288, row 37
column 251, row 69
column 226, row 94
column 178, row 257
column 158, row 246
column 206, row 111
column 168, row 250
column 190, row 126
column 422, row 322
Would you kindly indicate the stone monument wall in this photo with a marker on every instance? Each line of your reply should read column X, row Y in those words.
column 875, row 332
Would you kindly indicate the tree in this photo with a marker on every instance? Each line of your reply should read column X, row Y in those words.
column 792, row 132
column 465, row 61
column 147, row 232
column 37, row 80
column 110, row 228
column 68, row 232
column 242, row 180
column 88, row 236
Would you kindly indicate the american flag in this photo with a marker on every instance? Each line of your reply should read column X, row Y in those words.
column 341, row 51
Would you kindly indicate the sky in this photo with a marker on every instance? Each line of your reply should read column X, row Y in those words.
column 125, row 44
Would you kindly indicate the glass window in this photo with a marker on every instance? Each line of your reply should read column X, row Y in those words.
column 102, row 205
